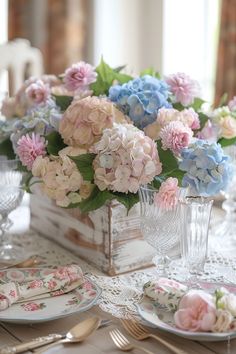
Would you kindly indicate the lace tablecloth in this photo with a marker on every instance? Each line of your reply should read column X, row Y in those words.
column 121, row 293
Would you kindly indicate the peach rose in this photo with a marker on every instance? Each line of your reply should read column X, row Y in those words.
column 196, row 312
column 228, row 127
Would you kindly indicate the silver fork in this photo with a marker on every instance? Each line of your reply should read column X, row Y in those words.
column 123, row 343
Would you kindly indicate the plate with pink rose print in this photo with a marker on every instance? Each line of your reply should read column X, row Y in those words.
column 159, row 317
column 78, row 300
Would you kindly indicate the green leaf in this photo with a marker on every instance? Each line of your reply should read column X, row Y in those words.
column 223, row 100
column 203, row 119
column 150, row 71
column 106, row 77
column 227, row 142
column 119, row 68
column 6, row 149
column 178, row 106
column 96, row 200
column 63, row 101
column 168, row 160
column 177, row 173
column 128, row 200
column 55, row 143
column 197, row 103
column 84, row 164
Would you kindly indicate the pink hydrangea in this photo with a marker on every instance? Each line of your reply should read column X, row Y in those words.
column 209, row 132
column 183, row 87
column 187, row 116
column 175, row 136
column 84, row 121
column 79, row 76
column 232, row 104
column 126, row 159
column 29, row 148
column 167, row 196
column 38, row 92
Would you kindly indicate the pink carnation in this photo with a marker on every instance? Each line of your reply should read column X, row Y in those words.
column 79, row 76
column 29, row 148
column 38, row 92
column 196, row 312
column 167, row 196
column 183, row 88
column 175, row 136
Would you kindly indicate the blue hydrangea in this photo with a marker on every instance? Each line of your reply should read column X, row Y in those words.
column 41, row 119
column 208, row 169
column 141, row 99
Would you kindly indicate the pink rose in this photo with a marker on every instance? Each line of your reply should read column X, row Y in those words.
column 196, row 312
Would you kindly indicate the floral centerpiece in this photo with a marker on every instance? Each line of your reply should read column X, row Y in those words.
column 93, row 135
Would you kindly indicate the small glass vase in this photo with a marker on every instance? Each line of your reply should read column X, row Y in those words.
column 195, row 218
column 160, row 228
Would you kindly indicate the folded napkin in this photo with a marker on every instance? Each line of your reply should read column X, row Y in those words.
column 165, row 292
column 58, row 282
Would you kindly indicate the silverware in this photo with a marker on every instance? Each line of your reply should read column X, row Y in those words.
column 80, row 330
column 27, row 263
column 123, row 343
column 137, row 331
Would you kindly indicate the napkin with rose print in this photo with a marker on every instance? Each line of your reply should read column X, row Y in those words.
column 59, row 281
column 195, row 310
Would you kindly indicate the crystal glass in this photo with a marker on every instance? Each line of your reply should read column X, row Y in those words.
column 11, row 194
column 160, row 227
column 195, row 217
column 226, row 229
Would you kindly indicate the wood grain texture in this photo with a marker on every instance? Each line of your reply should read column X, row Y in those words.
column 108, row 237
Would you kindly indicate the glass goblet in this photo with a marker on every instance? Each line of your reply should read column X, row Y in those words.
column 160, row 227
column 11, row 194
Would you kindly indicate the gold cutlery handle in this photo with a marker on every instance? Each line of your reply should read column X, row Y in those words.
column 35, row 343
column 168, row 345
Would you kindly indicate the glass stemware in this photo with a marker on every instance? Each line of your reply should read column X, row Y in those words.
column 160, row 228
column 11, row 194
column 195, row 217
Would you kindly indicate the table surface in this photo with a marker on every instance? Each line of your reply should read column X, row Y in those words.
column 100, row 341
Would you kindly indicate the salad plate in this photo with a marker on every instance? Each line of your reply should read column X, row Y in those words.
column 46, row 309
column 159, row 317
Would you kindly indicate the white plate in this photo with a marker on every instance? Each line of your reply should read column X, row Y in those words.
column 164, row 319
column 47, row 309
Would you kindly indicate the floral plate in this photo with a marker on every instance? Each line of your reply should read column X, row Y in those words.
column 163, row 319
column 51, row 308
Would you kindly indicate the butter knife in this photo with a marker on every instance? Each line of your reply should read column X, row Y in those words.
column 40, row 341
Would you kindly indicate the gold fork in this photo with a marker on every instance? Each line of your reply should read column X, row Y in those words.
column 138, row 332
column 123, row 343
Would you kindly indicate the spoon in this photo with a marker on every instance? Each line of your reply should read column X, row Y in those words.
column 77, row 334
column 27, row 263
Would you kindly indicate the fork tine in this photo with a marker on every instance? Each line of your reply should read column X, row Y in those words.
column 113, row 337
column 138, row 325
column 132, row 328
column 122, row 338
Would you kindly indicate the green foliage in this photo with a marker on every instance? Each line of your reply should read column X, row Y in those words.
column 227, row 142
column 84, row 164
column 54, row 143
column 150, row 71
column 168, row 160
column 223, row 100
column 197, row 104
column 178, row 106
column 203, row 119
column 128, row 200
column 63, row 101
column 106, row 77
column 7, row 149
column 96, row 200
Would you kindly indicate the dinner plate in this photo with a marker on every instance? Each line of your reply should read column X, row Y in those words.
column 163, row 319
column 80, row 299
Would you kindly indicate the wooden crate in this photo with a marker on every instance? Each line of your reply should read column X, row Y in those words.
column 108, row 237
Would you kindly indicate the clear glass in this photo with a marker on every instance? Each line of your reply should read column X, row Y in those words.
column 11, row 194
column 195, row 217
column 225, row 229
column 160, row 228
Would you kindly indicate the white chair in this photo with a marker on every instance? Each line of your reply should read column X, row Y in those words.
column 21, row 61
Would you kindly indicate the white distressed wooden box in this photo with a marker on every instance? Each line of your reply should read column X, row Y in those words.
column 107, row 237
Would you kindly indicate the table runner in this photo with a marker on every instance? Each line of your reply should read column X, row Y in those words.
column 121, row 293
